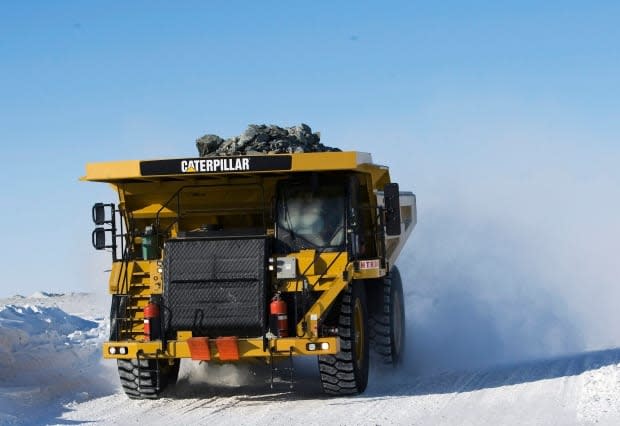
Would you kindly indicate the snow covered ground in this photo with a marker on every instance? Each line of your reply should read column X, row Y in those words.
column 51, row 372
column 49, row 358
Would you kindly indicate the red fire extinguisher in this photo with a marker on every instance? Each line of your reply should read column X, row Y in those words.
column 279, row 317
column 151, row 320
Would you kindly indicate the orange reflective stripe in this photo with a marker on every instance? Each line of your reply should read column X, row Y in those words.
column 199, row 348
column 228, row 348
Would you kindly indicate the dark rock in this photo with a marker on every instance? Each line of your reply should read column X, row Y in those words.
column 208, row 144
column 262, row 139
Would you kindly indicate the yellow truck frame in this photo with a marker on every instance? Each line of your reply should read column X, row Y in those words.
column 352, row 294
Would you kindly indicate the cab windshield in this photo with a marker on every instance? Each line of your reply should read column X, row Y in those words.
column 311, row 218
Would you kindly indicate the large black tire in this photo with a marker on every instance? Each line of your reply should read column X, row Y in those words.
column 387, row 322
column 148, row 381
column 346, row 373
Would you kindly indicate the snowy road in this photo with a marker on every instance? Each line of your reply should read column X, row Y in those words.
column 578, row 389
column 582, row 389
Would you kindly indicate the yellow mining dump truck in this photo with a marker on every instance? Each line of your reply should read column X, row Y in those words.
column 226, row 259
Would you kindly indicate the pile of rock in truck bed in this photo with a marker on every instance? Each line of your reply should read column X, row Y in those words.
column 264, row 139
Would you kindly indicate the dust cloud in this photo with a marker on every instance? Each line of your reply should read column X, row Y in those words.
column 507, row 270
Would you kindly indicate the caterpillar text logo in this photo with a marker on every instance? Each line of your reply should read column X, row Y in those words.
column 215, row 165
column 212, row 165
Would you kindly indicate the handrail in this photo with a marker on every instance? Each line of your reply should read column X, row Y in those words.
column 177, row 193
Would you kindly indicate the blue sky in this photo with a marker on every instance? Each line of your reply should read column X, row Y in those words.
column 502, row 116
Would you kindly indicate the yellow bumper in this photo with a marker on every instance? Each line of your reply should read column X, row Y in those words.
column 248, row 348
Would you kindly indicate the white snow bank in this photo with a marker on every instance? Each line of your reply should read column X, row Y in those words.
column 47, row 358
column 40, row 321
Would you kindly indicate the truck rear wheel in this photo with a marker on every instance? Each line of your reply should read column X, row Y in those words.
column 388, row 321
column 346, row 373
column 147, row 378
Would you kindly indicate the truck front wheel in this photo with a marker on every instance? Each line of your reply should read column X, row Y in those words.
column 346, row 373
column 147, row 378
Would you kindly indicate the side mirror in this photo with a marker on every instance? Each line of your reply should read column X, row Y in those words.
column 353, row 194
column 98, row 238
column 99, row 214
column 391, row 198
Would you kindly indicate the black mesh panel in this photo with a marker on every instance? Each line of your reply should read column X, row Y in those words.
column 215, row 287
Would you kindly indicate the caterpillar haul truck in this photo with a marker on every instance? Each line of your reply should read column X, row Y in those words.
column 225, row 259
